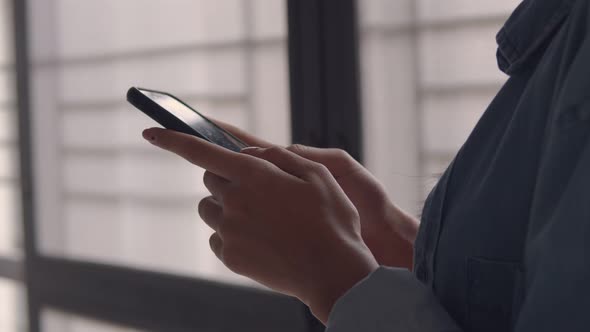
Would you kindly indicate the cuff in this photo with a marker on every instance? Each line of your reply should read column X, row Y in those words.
column 389, row 299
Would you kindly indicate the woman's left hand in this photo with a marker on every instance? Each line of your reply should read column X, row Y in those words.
column 278, row 218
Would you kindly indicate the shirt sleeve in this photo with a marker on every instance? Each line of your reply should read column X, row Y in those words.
column 389, row 299
column 557, row 261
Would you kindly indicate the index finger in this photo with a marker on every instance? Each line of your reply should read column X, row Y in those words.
column 214, row 158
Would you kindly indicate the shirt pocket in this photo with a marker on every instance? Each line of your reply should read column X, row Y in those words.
column 494, row 294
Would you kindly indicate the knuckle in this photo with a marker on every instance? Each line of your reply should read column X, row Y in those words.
column 341, row 154
column 319, row 169
column 297, row 148
column 342, row 158
column 206, row 207
column 263, row 169
column 232, row 257
column 274, row 151
column 224, row 230
column 212, row 242
column 258, row 172
column 201, row 207
column 208, row 178
column 215, row 244
column 351, row 214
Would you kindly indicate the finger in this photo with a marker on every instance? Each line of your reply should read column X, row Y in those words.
column 287, row 161
column 210, row 211
column 215, row 184
column 336, row 160
column 243, row 135
column 216, row 245
column 211, row 157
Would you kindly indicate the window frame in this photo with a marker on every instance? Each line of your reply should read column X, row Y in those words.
column 325, row 112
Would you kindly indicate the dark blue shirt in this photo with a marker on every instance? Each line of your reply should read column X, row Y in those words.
column 504, row 243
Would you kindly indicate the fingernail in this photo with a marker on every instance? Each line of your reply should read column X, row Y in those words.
column 250, row 149
column 149, row 135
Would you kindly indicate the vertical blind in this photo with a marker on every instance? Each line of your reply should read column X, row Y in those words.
column 104, row 194
column 429, row 71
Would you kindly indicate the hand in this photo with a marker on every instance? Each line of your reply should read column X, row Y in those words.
column 278, row 218
column 387, row 230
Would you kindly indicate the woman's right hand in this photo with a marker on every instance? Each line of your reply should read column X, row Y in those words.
column 388, row 231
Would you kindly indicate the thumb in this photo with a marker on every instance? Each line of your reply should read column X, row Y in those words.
column 288, row 161
column 338, row 161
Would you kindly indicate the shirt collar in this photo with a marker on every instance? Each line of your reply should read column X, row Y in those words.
column 527, row 30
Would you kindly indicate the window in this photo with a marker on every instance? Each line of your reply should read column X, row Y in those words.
column 114, row 234
column 422, row 91
column 12, row 306
column 56, row 321
column 10, row 219
column 12, row 299
column 106, row 195
column 108, row 229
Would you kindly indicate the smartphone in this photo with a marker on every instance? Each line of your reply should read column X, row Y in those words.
column 172, row 113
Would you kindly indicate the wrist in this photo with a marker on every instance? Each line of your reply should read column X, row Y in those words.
column 392, row 242
column 402, row 223
column 353, row 268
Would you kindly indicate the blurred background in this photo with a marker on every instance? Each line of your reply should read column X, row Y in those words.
column 99, row 231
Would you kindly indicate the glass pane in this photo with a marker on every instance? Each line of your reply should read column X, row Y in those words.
column 103, row 193
column 439, row 10
column 422, row 91
column 56, row 321
column 10, row 214
column 12, row 307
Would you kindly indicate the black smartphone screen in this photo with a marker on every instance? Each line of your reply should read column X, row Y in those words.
column 201, row 126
